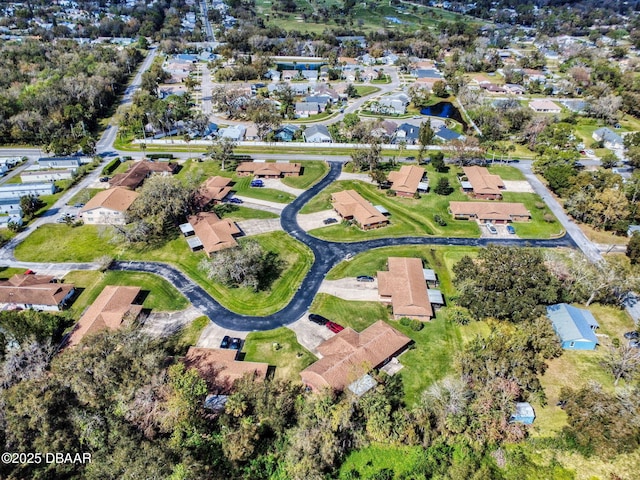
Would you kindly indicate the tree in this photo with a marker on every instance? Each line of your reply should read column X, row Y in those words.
column 379, row 177
column 609, row 160
column 437, row 160
column 351, row 91
column 425, row 137
column 633, row 248
column 30, row 204
column 440, row 89
column 263, row 114
column 222, row 151
column 506, row 283
column 367, row 158
column 247, row 265
column 443, row 187
column 623, row 362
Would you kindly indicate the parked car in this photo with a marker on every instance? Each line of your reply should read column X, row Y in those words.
column 334, row 327
column 235, row 200
column 104, row 179
column 78, row 205
column 257, row 183
column 329, row 221
column 634, row 343
column 511, row 230
column 29, row 272
column 319, row 319
column 634, row 335
column 225, row 342
column 364, row 278
column 491, row 227
column 236, row 343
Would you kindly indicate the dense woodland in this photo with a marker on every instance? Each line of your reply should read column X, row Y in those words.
column 53, row 94
column 140, row 413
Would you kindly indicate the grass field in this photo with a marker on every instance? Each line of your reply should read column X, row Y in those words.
column 279, row 348
column 506, row 172
column 357, row 315
column 370, row 460
column 312, row 172
column 88, row 243
column 237, row 213
column 162, row 295
column 179, row 343
column 538, row 227
column 364, row 90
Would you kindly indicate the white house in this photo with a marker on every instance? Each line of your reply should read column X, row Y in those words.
column 234, row 132
column 47, row 163
column 46, row 176
column 395, row 104
column 608, row 137
column 17, row 190
column 317, row 134
column 544, row 106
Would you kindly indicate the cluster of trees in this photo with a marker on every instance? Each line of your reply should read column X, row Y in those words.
column 247, row 265
column 60, row 110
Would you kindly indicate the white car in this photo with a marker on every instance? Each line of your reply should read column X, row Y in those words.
column 491, row 227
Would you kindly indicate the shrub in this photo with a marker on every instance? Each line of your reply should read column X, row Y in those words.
column 391, row 193
column 439, row 220
column 415, row 325
column 539, row 205
column 111, row 166
column 548, row 218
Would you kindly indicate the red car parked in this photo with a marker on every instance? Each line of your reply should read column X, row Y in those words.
column 334, row 327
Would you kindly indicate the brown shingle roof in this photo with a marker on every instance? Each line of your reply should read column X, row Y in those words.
column 219, row 367
column 117, row 198
column 134, row 177
column 489, row 210
column 268, row 168
column 407, row 179
column 106, row 312
column 349, row 203
column 215, row 188
column 405, row 284
column 483, row 182
column 33, row 290
column 214, row 233
column 349, row 355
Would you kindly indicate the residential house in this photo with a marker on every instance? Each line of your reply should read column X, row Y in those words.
column 206, row 231
column 351, row 206
column 544, row 106
column 45, row 176
column 407, row 133
column 37, row 292
column 50, row 163
column 481, row 184
column 531, row 75
column 322, row 100
column 445, row 135
column 220, row 369
column 350, row 355
column 524, row 413
column 234, row 132
column 10, row 206
column 286, row 133
column 575, row 326
column 140, row 171
column 251, row 134
column 17, row 190
column 395, row 103
column 386, row 130
column 310, row 75
column 14, row 218
column 514, row 89
column 609, row 138
column 405, row 288
column 492, row 87
column 317, row 134
column 306, row 109
column 213, row 190
column 490, row 212
column 108, row 207
column 114, row 306
column 431, row 73
column 261, row 169
column 406, row 181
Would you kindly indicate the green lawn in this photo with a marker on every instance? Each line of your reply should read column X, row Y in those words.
column 178, row 343
column 84, row 195
column 8, row 272
column 312, row 172
column 357, row 315
column 506, row 172
column 408, row 216
column 370, row 460
column 162, row 295
column 237, row 213
column 89, row 242
column 281, row 349
column 537, row 227
column 364, row 90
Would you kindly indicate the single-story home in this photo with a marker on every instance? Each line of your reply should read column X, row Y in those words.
column 50, row 163
column 234, row 132
column 108, row 207
column 140, row 171
column 395, row 103
column 445, row 134
column 350, row 205
column 490, row 212
column 608, row 137
column 46, row 175
column 306, row 109
column 575, row 326
column 349, row 355
column 317, row 134
column 287, row 132
column 482, row 184
column 261, row 169
column 220, row 369
column 17, row 190
column 544, row 106
column 114, row 305
column 407, row 133
column 405, row 288
column 37, row 292
column 406, row 181
column 206, row 231
column 214, row 190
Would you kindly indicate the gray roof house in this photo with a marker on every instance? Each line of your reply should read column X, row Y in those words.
column 391, row 104
column 317, row 134
column 234, row 132
column 445, row 134
column 575, row 326
column 608, row 137
column 305, row 109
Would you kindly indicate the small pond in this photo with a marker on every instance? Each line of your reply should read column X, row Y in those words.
column 444, row 110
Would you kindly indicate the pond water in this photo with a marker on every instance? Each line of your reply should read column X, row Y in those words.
column 444, row 110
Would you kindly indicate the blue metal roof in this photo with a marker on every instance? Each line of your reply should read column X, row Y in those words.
column 571, row 323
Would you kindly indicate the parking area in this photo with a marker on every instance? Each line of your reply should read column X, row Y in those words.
column 501, row 231
column 310, row 334
column 309, row 221
column 520, row 186
column 351, row 289
column 258, row 226
column 212, row 336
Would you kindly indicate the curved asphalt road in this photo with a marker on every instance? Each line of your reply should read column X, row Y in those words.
column 327, row 255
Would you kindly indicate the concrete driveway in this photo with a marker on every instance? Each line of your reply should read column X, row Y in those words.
column 277, row 184
column 258, row 226
column 258, row 204
column 363, row 177
column 309, row 221
column 310, row 334
column 212, row 335
column 520, row 186
column 164, row 324
column 350, row 289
